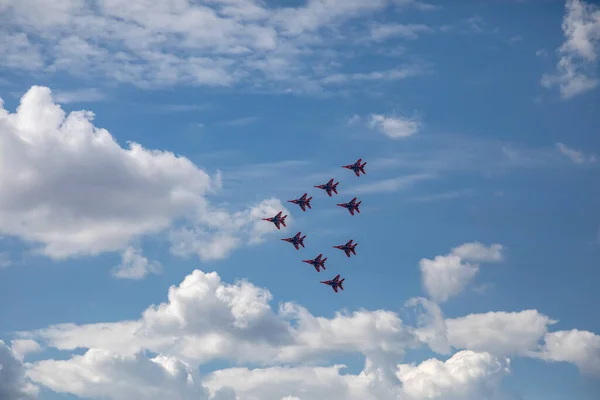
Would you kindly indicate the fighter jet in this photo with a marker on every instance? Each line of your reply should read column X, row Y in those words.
column 351, row 206
column 296, row 240
column 356, row 167
column 348, row 247
column 317, row 262
column 303, row 202
column 335, row 283
column 277, row 220
column 329, row 187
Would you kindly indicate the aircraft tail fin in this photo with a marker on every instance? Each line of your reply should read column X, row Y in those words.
column 341, row 284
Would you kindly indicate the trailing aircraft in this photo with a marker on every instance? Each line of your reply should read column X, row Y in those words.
column 356, row 167
column 296, row 240
column 329, row 187
column 303, row 202
column 277, row 220
column 335, row 283
column 348, row 247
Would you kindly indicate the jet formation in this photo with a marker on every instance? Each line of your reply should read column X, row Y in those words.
column 303, row 202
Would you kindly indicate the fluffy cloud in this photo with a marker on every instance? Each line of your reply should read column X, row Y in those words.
column 21, row 348
column 394, row 127
column 578, row 54
column 581, row 348
column 102, row 374
column 446, row 276
column 208, row 320
column 71, row 189
column 576, row 156
column 13, row 383
column 135, row 266
column 214, row 43
column 500, row 333
column 466, row 375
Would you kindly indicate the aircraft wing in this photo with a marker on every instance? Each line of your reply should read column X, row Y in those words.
column 303, row 206
column 335, row 288
column 351, row 211
column 298, row 248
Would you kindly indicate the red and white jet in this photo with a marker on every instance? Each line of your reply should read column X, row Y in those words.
column 303, row 202
column 357, row 167
column 277, row 220
column 329, row 187
column 335, row 283
column 348, row 247
column 351, row 206
column 296, row 240
column 317, row 262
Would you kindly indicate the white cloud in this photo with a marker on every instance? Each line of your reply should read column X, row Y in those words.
column 406, row 31
column 103, row 374
column 576, row 156
column 206, row 319
column 394, row 127
column 446, row 276
column 13, row 383
column 22, row 347
column 71, row 189
column 576, row 67
column 215, row 43
column 581, row 348
column 466, row 375
column 135, row 266
column 78, row 96
column 500, row 333
column 390, row 185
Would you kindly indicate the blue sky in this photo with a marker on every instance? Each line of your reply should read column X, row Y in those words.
column 134, row 261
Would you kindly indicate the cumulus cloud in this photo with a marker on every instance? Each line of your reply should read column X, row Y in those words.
column 394, row 127
column 500, row 333
column 578, row 54
column 205, row 319
column 466, row 375
column 13, row 383
column 576, row 156
column 213, row 43
column 581, row 348
column 103, row 374
column 22, row 347
column 448, row 275
column 135, row 266
column 70, row 189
